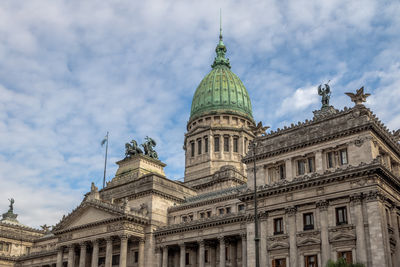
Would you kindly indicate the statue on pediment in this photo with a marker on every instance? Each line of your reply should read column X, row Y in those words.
column 46, row 228
column 325, row 92
column 12, row 201
column 148, row 147
column 132, row 149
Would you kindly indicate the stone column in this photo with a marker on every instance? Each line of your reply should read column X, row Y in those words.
column 182, row 260
column 289, row 169
column 263, row 226
column 291, row 226
column 376, row 228
column 213, row 256
column 201, row 253
column 395, row 225
column 71, row 256
column 319, row 167
column 244, row 250
column 141, row 252
column 95, row 253
column 325, row 251
column 158, row 256
column 82, row 257
column 123, row 251
column 233, row 253
column 164, row 256
column 361, row 250
column 60, row 257
column 222, row 255
column 109, row 251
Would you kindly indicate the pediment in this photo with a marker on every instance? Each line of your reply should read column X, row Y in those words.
column 309, row 241
column 342, row 237
column 278, row 245
column 90, row 215
column 87, row 213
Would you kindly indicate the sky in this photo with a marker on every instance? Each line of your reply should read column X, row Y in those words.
column 72, row 70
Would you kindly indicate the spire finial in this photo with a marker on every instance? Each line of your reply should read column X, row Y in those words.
column 220, row 49
column 220, row 24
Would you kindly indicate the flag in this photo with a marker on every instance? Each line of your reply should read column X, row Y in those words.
column 104, row 140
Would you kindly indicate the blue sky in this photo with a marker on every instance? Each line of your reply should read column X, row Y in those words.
column 72, row 70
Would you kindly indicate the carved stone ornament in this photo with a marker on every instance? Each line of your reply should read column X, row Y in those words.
column 396, row 135
column 259, row 130
column 359, row 142
column 322, row 205
column 356, row 199
column 359, row 97
column 291, row 211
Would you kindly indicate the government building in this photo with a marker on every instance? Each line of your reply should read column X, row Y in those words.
column 326, row 188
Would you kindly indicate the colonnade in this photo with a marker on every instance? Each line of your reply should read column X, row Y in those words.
column 210, row 252
column 94, row 257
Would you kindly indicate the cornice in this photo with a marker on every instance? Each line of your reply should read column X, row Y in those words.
column 216, row 128
column 35, row 255
column 213, row 221
column 21, row 227
column 318, row 180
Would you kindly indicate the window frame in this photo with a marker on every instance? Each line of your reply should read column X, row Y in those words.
column 307, row 226
column 199, row 147
column 216, row 143
column 226, row 143
column 192, row 149
column 307, row 260
column 343, row 160
column 205, row 144
column 235, row 144
column 344, row 214
column 278, row 226
column 348, row 256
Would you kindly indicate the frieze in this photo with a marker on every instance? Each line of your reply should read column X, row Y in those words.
column 278, row 242
column 342, row 233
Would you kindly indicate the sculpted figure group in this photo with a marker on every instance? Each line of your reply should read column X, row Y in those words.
column 133, row 148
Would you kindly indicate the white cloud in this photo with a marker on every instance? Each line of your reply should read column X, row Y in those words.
column 71, row 70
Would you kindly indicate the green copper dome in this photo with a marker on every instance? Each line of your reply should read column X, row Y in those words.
column 221, row 91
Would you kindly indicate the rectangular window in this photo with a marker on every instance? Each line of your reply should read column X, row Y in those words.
column 199, row 147
column 228, row 210
column 187, row 258
column 387, row 217
column 241, row 207
column 184, row 219
column 136, row 257
column 301, row 167
column 282, row 172
column 221, row 211
column 192, row 148
column 206, row 256
column 279, row 263
column 343, row 157
column 28, row 250
column 341, row 215
column 216, row 144
column 235, row 144
column 226, row 143
column 115, row 260
column 311, row 164
column 206, row 145
column 278, row 226
column 346, row 255
column 191, row 217
column 208, row 214
column 311, row 261
column 202, row 215
column 330, row 159
column 226, row 253
column 308, row 221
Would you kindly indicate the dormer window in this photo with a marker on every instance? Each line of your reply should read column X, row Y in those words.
column 343, row 156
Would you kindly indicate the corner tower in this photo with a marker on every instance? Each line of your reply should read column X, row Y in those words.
column 218, row 131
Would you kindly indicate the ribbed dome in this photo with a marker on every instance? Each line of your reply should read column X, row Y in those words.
column 221, row 91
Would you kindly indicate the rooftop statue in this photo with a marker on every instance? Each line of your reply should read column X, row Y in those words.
column 148, row 147
column 359, row 97
column 11, row 210
column 259, row 130
column 132, row 149
column 45, row 228
column 325, row 93
column 396, row 135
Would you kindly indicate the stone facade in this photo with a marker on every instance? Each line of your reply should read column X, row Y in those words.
column 326, row 188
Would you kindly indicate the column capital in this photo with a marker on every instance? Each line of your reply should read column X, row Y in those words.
column 201, row 242
column 322, row 205
column 356, row 199
column 182, row 245
column 291, row 211
column 71, row 246
column 124, row 237
column 141, row 240
column 109, row 239
column 95, row 241
column 221, row 239
column 83, row 244
column 243, row 236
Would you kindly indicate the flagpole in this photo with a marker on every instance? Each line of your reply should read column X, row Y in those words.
column 105, row 164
